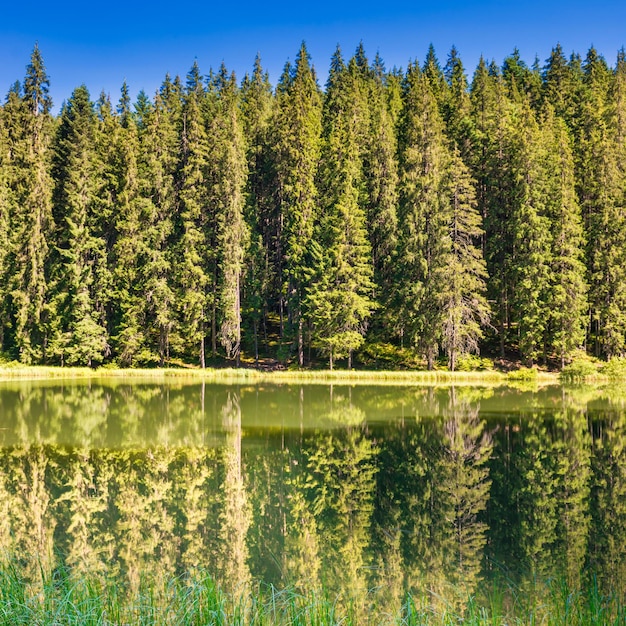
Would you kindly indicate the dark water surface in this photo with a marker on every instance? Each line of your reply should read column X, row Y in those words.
column 372, row 491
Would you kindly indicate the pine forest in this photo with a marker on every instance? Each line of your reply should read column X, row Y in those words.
column 422, row 210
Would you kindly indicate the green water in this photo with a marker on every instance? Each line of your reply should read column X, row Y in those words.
column 370, row 492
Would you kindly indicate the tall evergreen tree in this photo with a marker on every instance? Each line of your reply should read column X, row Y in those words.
column 297, row 127
column 494, row 184
column 423, row 218
column 157, row 166
column 129, row 324
column 602, row 202
column 227, row 171
column 466, row 311
column 568, row 296
column 5, row 214
column 30, row 133
column 257, row 105
column 192, row 277
column 340, row 301
column 78, row 330
column 380, row 172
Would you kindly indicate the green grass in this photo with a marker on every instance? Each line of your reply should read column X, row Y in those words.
column 247, row 376
column 64, row 598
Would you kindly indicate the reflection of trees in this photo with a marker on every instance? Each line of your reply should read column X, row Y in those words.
column 573, row 475
column 608, row 500
column 462, row 493
column 372, row 508
column 342, row 468
column 234, row 517
column 433, row 487
column 540, row 507
column 31, row 513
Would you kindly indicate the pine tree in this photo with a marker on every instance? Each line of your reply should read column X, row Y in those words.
column 456, row 106
column 424, row 244
column 157, row 165
column 466, row 311
column 561, row 85
column 31, row 222
column 297, row 128
column 78, row 333
column 340, row 301
column 380, row 172
column 6, row 211
column 129, row 325
column 226, row 174
column 530, row 225
column 192, row 276
column 568, row 298
column 602, row 201
column 494, row 185
column 257, row 105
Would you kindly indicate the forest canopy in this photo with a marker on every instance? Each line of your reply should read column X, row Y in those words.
column 414, row 208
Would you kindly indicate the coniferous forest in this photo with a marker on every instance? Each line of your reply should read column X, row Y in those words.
column 418, row 208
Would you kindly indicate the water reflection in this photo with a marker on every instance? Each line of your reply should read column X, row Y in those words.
column 374, row 492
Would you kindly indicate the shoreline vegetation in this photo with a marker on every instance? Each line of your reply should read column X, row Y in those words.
column 578, row 372
column 233, row 375
column 62, row 597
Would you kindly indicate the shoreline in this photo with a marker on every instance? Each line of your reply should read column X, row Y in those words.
column 249, row 375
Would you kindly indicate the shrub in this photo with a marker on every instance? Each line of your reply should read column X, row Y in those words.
column 615, row 368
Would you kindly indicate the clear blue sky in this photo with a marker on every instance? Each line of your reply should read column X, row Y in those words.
column 102, row 44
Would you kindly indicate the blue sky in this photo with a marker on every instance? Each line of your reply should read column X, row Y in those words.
column 102, row 44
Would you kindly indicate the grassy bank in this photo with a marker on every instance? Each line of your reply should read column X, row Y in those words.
column 61, row 598
column 249, row 375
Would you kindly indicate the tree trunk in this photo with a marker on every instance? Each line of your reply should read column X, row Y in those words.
column 300, row 343
column 214, row 330
column 430, row 359
column 331, row 359
column 350, row 359
column 256, row 342
column 202, row 359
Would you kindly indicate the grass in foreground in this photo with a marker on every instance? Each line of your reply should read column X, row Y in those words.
column 62, row 598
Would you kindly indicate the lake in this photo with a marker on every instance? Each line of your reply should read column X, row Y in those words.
column 368, row 491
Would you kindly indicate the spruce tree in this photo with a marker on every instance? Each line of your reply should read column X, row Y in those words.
column 128, row 292
column 226, row 173
column 602, row 203
column 5, row 215
column 78, row 333
column 568, row 295
column 494, row 184
column 297, row 128
column 157, row 169
column 192, row 277
column 465, row 308
column 257, row 104
column 340, row 301
column 380, row 172
column 30, row 133
column 424, row 245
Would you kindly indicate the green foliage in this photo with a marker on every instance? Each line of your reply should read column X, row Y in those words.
column 580, row 368
column 472, row 363
column 400, row 204
column 615, row 368
column 523, row 374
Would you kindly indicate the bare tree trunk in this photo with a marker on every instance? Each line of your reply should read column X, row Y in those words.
column 300, row 343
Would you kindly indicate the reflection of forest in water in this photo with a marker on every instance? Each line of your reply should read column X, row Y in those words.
column 374, row 491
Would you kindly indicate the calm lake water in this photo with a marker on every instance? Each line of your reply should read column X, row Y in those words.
column 371, row 491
